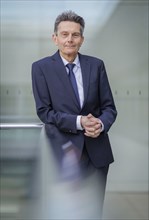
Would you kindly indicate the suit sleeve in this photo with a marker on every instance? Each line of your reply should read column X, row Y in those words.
column 46, row 113
column 107, row 105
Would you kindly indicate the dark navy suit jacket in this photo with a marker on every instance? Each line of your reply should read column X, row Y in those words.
column 57, row 106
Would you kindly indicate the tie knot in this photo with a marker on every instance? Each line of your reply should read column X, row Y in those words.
column 70, row 66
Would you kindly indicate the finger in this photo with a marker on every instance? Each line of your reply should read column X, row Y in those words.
column 92, row 133
column 98, row 126
column 89, row 115
column 93, row 126
column 90, row 129
column 97, row 132
column 94, row 120
column 89, row 133
column 90, row 124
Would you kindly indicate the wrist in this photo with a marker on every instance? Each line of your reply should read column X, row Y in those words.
column 102, row 125
column 79, row 124
column 81, row 121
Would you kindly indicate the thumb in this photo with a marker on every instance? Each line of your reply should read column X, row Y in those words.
column 89, row 115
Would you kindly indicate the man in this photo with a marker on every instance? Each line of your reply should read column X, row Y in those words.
column 73, row 98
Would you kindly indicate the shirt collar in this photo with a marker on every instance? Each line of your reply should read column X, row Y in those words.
column 76, row 61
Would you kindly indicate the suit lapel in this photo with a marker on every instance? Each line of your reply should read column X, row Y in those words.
column 85, row 68
column 62, row 74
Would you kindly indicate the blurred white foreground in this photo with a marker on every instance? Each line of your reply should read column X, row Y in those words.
column 57, row 197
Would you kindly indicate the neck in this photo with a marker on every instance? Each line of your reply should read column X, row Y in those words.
column 69, row 57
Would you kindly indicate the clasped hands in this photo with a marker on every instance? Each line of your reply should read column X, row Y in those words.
column 91, row 125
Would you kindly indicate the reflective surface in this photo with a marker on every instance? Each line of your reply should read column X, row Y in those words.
column 19, row 151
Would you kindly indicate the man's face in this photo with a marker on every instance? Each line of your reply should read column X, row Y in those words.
column 68, row 38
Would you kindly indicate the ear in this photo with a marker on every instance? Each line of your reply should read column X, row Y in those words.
column 54, row 38
column 82, row 39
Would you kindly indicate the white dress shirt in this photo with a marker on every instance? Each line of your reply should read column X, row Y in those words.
column 79, row 81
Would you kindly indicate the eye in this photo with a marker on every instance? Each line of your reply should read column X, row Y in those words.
column 64, row 34
column 75, row 35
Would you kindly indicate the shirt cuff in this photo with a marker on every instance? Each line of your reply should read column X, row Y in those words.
column 78, row 123
column 102, row 125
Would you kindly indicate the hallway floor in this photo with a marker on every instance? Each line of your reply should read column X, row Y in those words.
column 126, row 206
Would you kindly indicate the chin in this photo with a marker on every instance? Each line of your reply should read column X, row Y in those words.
column 71, row 52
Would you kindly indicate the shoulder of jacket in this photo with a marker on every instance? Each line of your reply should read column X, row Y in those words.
column 91, row 58
column 42, row 60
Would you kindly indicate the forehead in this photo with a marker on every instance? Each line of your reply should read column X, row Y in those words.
column 69, row 26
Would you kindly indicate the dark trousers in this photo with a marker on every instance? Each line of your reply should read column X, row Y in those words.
column 88, row 169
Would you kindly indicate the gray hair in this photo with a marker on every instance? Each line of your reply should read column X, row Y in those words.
column 69, row 16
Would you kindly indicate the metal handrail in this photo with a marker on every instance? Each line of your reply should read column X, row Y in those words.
column 20, row 125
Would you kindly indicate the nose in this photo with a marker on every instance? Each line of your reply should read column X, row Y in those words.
column 70, row 37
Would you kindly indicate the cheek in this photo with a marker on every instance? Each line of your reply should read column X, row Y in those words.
column 60, row 43
column 79, row 44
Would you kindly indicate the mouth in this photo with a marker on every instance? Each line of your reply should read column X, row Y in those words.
column 70, row 47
